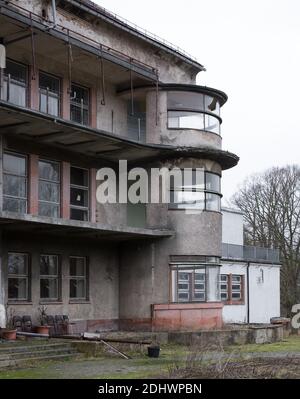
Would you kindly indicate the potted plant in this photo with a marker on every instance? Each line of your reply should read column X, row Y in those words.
column 9, row 333
column 43, row 328
column 154, row 349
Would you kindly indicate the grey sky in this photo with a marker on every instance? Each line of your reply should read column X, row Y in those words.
column 251, row 50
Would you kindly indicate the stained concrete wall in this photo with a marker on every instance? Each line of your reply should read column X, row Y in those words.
column 102, row 306
column 171, row 69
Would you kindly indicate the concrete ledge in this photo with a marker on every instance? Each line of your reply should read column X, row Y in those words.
column 242, row 336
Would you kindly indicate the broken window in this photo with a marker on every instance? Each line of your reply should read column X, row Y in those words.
column 79, row 194
column 49, row 188
column 79, row 104
column 187, row 110
column 14, row 183
column 78, row 278
column 18, row 277
column 231, row 287
column 49, row 87
column 49, row 277
column 15, row 83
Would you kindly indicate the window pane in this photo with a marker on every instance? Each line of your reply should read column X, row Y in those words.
column 53, row 104
column 183, row 276
column 49, row 82
column 213, row 182
column 199, row 276
column 212, row 105
column 14, row 164
column 200, row 296
column 48, row 192
column 183, row 296
column 79, row 95
column 77, row 288
column 48, row 265
column 212, row 124
column 199, row 287
column 17, row 288
column 77, row 266
column 185, row 100
column 14, row 186
column 17, row 264
column 223, row 277
column 49, row 171
column 236, row 287
column 236, row 278
column 185, row 120
column 48, row 209
column 49, row 288
column 213, row 202
column 14, row 205
column 236, row 295
column 79, row 177
column 79, row 197
column 79, row 214
column 18, row 72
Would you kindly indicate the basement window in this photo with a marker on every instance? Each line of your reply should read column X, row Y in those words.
column 18, row 277
column 14, row 183
column 15, row 84
column 79, row 194
column 49, row 87
column 78, row 278
column 49, row 277
column 232, row 288
column 49, row 188
column 79, row 104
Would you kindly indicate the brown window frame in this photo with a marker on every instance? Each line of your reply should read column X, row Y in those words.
column 230, row 300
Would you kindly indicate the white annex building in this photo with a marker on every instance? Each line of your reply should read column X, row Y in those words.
column 250, row 276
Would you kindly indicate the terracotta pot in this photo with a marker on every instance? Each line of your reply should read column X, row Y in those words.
column 9, row 335
column 43, row 330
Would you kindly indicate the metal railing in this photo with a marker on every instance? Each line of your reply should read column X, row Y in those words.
column 250, row 253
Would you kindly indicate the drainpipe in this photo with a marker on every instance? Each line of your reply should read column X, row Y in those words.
column 54, row 12
column 248, row 294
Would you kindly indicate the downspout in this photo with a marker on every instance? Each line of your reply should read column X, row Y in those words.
column 248, row 294
column 54, row 12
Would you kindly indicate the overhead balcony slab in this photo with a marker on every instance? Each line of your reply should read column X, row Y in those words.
column 11, row 222
column 67, row 135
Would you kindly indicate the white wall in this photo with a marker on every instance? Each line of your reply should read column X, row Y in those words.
column 264, row 294
column 232, row 227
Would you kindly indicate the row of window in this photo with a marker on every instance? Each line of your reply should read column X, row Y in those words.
column 15, row 187
column 19, row 277
column 200, row 190
column 15, row 90
column 190, row 286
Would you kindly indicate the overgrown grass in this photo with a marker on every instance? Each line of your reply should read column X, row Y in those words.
column 290, row 344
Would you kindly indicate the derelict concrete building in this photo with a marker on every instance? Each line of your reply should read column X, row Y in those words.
column 82, row 89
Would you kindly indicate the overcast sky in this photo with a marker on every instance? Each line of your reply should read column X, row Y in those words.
column 251, row 50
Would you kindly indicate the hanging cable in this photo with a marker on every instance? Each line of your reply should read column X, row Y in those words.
column 102, row 77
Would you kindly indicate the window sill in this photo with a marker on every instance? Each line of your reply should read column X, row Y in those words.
column 79, row 301
column 12, row 302
column 234, row 303
column 50, row 302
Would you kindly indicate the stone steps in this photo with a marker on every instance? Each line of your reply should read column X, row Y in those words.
column 16, row 356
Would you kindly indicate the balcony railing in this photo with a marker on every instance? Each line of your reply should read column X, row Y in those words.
column 249, row 253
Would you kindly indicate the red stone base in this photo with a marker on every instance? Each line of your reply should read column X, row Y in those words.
column 187, row 316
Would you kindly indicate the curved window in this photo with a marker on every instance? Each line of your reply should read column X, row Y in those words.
column 188, row 110
column 200, row 190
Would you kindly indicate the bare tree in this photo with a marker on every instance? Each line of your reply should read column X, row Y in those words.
column 271, row 205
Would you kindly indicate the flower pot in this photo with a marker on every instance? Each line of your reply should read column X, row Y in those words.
column 153, row 351
column 43, row 330
column 8, row 334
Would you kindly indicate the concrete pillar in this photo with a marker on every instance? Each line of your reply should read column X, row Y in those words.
column 212, row 285
column 34, row 97
column 93, row 204
column 33, row 180
column 2, row 285
column 155, row 128
column 65, row 190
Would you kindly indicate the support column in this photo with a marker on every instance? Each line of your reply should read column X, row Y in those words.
column 65, row 100
column 65, row 190
column 34, row 101
column 93, row 108
column 93, row 202
column 33, row 184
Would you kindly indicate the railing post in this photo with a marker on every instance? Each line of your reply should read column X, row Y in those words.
column 47, row 106
column 81, row 101
column 8, row 88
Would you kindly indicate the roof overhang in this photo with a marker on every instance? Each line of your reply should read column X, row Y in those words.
column 45, row 129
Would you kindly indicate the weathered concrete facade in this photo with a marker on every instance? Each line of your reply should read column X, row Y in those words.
column 117, row 94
